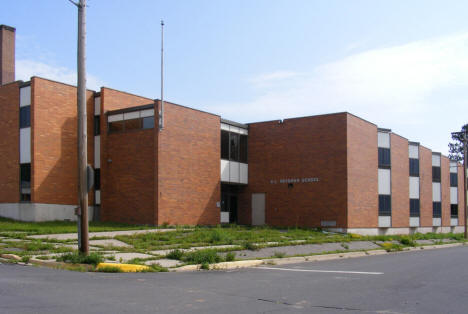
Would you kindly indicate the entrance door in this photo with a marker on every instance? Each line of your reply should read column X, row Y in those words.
column 258, row 209
column 229, row 203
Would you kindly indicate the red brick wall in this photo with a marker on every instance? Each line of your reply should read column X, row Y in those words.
column 400, row 180
column 445, row 186
column 9, row 143
column 116, row 194
column 7, row 54
column 129, row 193
column 461, row 200
column 425, row 186
column 54, row 142
column 298, row 148
column 363, row 200
column 189, row 167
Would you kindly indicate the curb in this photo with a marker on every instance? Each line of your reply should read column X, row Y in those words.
column 244, row 263
column 311, row 258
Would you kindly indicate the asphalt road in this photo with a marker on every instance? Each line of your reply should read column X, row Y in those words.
column 432, row 281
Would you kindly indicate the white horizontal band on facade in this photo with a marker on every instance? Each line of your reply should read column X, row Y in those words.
column 436, row 196
column 234, row 172
column 97, row 152
column 395, row 231
column 40, row 212
column 385, row 221
column 131, row 115
column 413, row 151
column 25, row 96
column 97, row 106
column 435, row 160
column 383, row 139
column 414, row 187
column 25, row 145
column 453, row 167
column 234, row 129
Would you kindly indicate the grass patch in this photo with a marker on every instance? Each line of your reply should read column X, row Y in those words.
column 207, row 256
column 9, row 227
column 77, row 258
column 391, row 247
column 109, row 269
column 175, row 254
column 230, row 256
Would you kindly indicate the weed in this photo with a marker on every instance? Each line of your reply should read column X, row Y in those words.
column 111, row 258
column 230, row 256
column 175, row 254
column 25, row 259
column 77, row 258
column 407, row 241
column 205, row 266
column 208, row 256
column 390, row 247
column 346, row 246
column 109, row 269
column 157, row 268
column 250, row 246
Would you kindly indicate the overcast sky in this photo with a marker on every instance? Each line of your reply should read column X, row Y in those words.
column 402, row 65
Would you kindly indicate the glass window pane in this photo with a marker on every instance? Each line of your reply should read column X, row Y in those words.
column 148, row 122
column 385, row 205
column 233, row 146
column 117, row 126
column 384, row 157
column 133, row 124
column 414, row 167
column 243, row 149
column 225, row 145
column 25, row 117
column 97, row 125
column 453, row 179
column 97, row 179
column 454, row 210
column 436, row 174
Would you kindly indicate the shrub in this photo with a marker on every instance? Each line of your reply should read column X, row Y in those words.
column 25, row 259
column 250, row 246
column 175, row 254
column 407, row 241
column 207, row 256
column 231, row 256
column 77, row 258
column 205, row 266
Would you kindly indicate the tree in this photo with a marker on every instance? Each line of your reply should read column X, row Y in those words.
column 456, row 148
column 458, row 152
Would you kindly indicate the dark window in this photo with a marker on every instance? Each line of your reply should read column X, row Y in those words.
column 414, row 207
column 25, row 117
column 414, row 167
column 133, row 124
column 454, row 210
column 117, row 126
column 385, row 205
column 453, row 179
column 435, row 174
column 25, row 184
column 243, row 149
column 384, row 157
column 225, row 145
column 97, row 179
column 148, row 122
column 436, row 209
column 97, row 125
column 233, row 146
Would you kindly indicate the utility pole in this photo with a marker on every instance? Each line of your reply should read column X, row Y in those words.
column 465, row 143
column 82, row 131
column 161, row 112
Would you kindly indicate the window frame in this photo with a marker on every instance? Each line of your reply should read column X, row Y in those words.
column 25, row 117
column 384, row 158
column 414, row 167
column 385, row 205
column 415, row 207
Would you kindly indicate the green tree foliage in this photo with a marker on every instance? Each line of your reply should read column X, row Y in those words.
column 456, row 147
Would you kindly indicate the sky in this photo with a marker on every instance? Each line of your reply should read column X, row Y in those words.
column 402, row 65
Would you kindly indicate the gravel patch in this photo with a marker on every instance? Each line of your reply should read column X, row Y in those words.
column 128, row 256
column 289, row 250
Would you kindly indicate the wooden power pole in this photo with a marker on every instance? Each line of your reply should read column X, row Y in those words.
column 83, row 242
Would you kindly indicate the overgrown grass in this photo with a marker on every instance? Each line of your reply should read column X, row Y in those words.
column 8, row 226
column 77, row 258
column 109, row 269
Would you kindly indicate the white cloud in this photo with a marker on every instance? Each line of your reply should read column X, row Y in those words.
column 25, row 69
column 419, row 90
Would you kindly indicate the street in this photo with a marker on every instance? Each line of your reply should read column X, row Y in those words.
column 431, row 281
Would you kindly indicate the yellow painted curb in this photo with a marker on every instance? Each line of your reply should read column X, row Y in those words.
column 126, row 268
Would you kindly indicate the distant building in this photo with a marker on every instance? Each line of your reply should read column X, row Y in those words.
column 334, row 171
